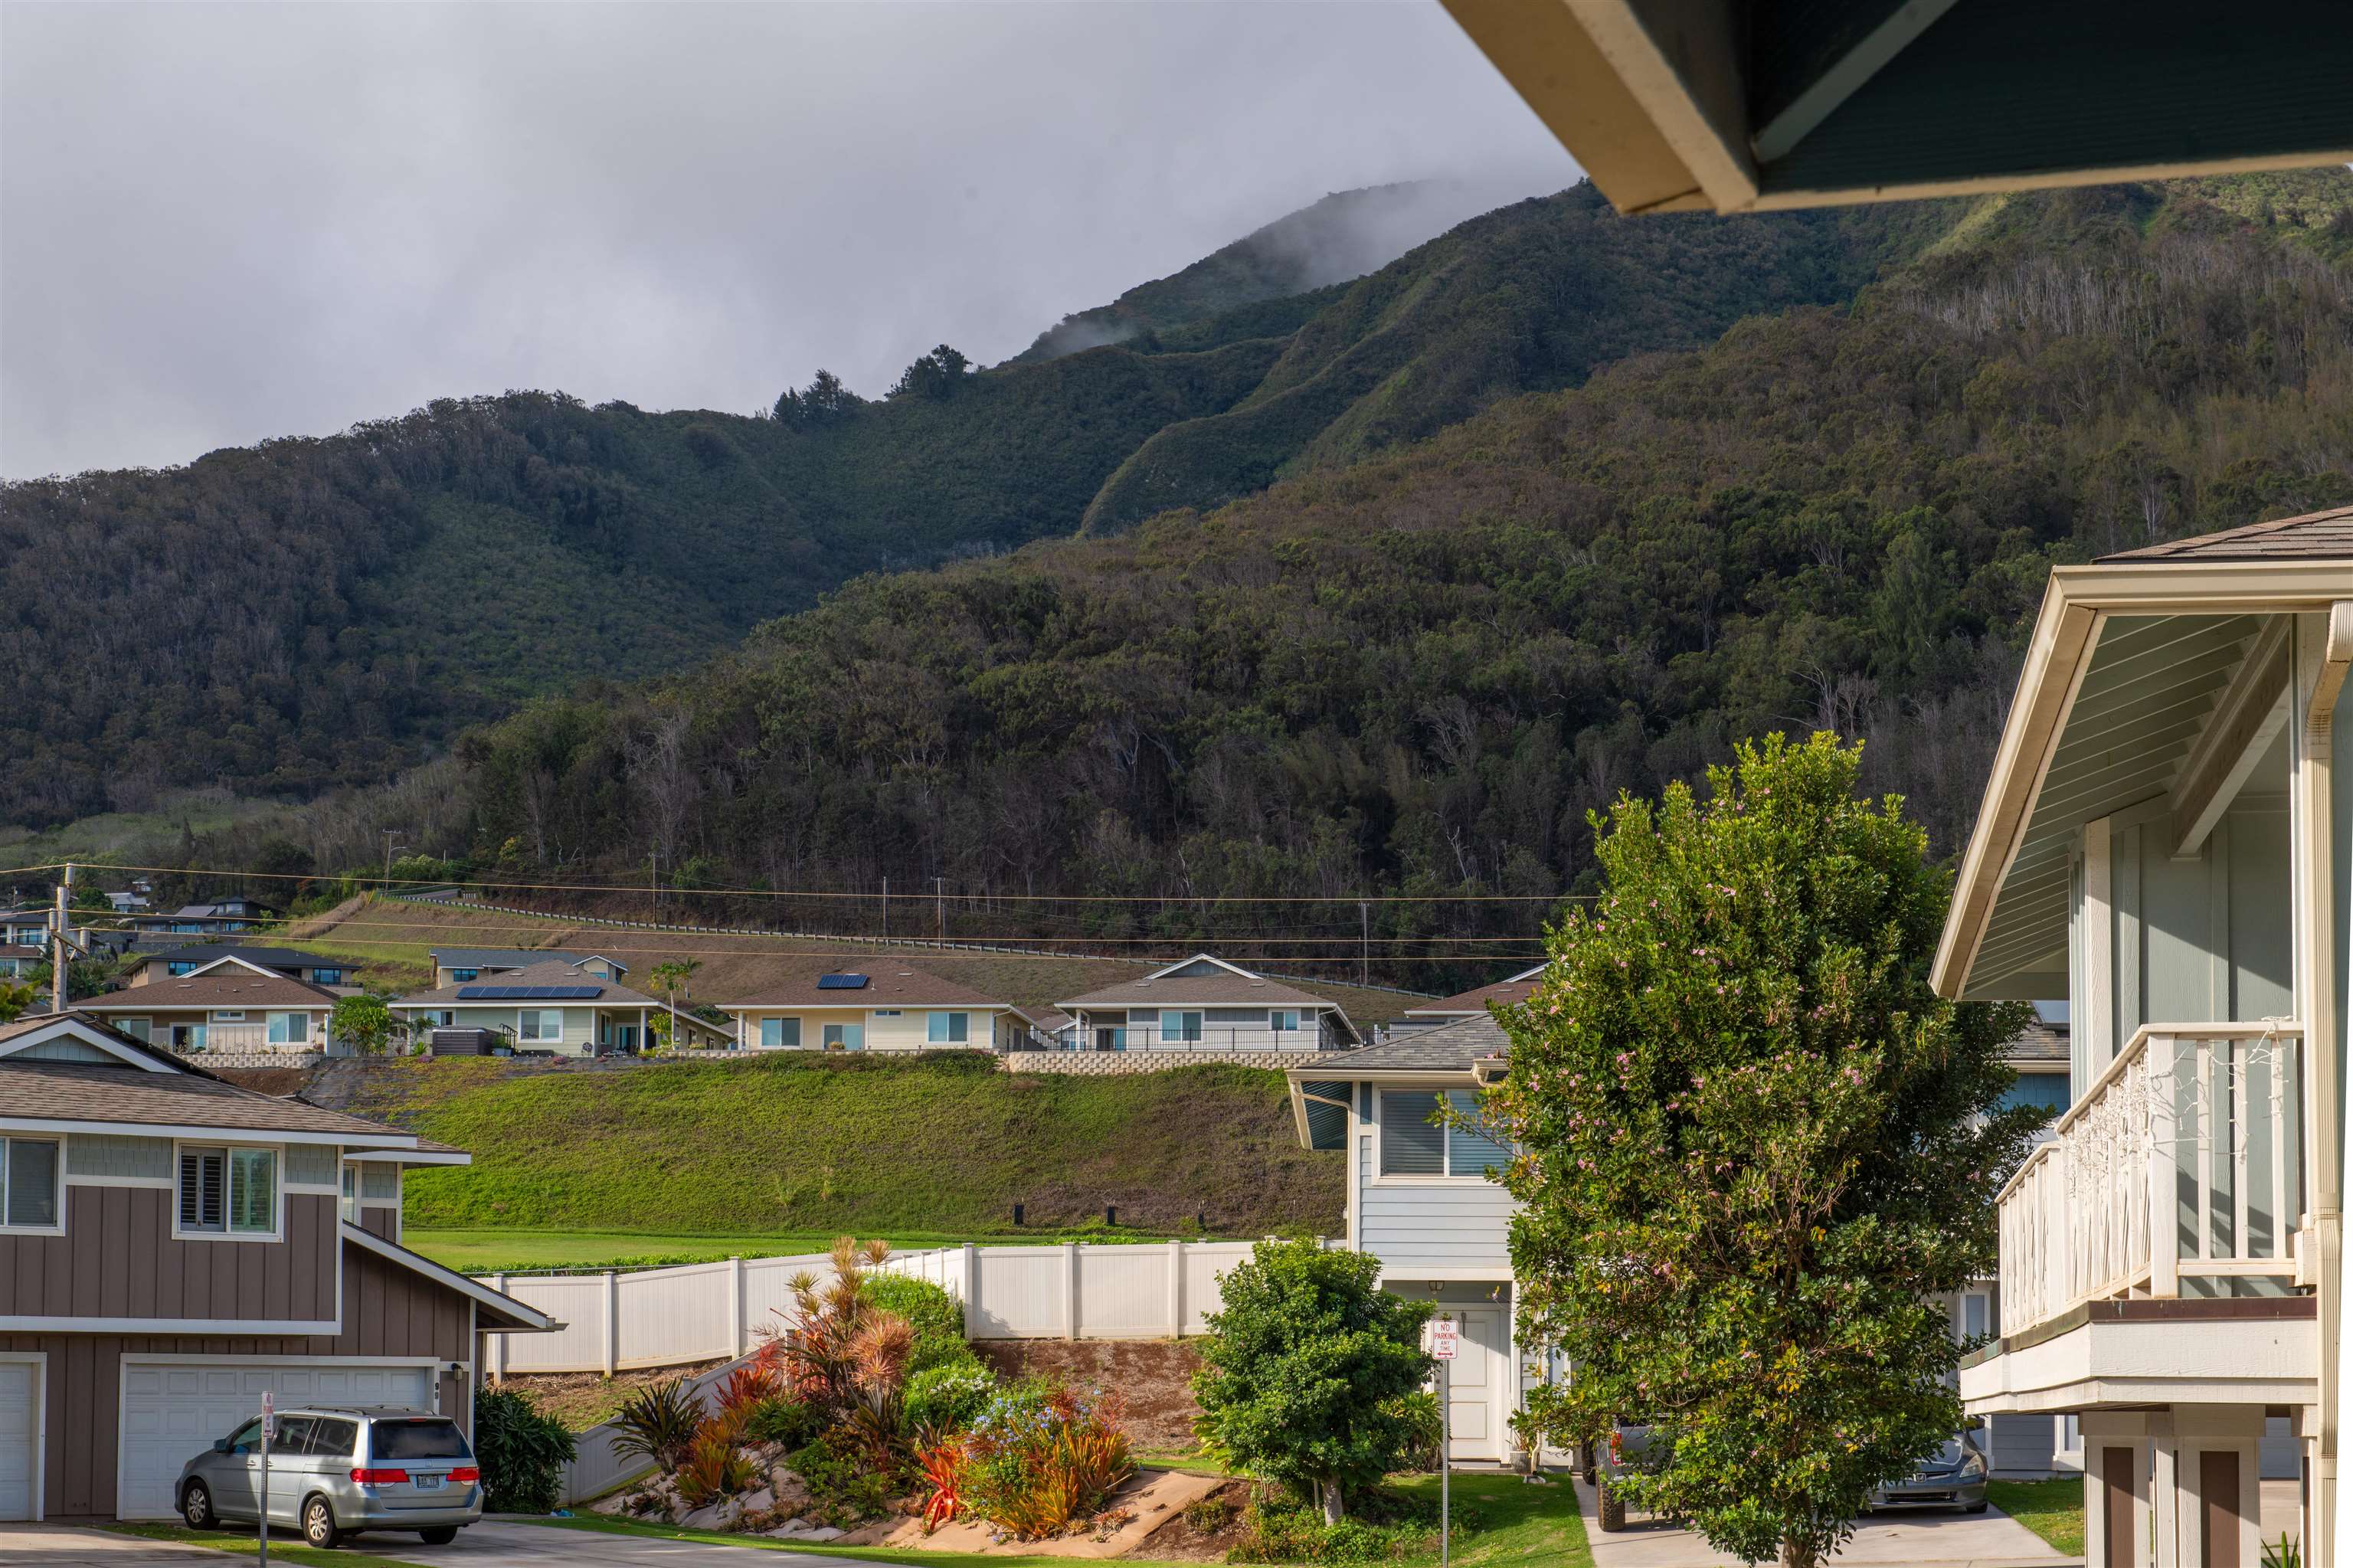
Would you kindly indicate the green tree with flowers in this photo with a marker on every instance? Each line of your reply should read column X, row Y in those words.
column 1754, row 1146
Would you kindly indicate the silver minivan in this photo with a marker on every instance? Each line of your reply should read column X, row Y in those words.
column 336, row 1470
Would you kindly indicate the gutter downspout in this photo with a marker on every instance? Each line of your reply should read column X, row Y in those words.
column 2329, row 637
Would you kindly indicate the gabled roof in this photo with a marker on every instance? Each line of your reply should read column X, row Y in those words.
column 1506, row 991
column 30, row 1031
column 502, row 1310
column 1448, row 1048
column 2316, row 536
column 203, row 953
column 514, row 958
column 1200, row 980
column 552, row 971
column 888, row 983
column 241, row 986
column 2039, row 1041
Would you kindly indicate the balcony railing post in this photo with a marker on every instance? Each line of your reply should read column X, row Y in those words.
column 2164, row 1227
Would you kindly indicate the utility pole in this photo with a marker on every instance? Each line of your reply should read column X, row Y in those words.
column 940, row 892
column 58, row 943
column 1365, row 947
column 886, row 908
column 391, row 835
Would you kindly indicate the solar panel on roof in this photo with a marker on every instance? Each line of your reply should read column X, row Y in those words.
column 529, row 992
column 842, row 983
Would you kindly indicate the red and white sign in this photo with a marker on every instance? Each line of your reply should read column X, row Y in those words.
column 1445, row 1333
column 269, row 1416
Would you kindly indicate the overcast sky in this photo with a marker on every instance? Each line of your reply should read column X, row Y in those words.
column 220, row 223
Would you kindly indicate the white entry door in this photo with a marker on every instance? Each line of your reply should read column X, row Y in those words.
column 1475, row 1382
column 173, row 1409
column 20, row 1438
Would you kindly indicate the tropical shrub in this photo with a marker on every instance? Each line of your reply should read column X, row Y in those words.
column 713, row 1468
column 784, row 1421
column 659, row 1422
column 1424, row 1429
column 1306, row 1367
column 843, row 1486
column 934, row 1314
column 1039, row 1457
column 751, row 1384
column 846, row 1358
column 1281, row 1531
column 522, row 1452
column 947, row 1397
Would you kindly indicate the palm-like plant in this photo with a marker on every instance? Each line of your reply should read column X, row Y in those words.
column 673, row 976
column 660, row 1422
column 841, row 1355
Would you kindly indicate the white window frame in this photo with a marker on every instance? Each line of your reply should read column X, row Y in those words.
column 140, row 1029
column 1284, row 1019
column 1446, row 1177
column 1199, row 1024
column 228, row 1015
column 59, row 1144
column 957, row 1027
column 347, row 1200
column 530, row 1018
column 778, row 1022
column 886, row 1012
column 847, row 1030
column 277, row 1232
column 294, row 1023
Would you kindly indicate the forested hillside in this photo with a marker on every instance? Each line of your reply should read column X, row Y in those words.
column 1417, row 674
column 314, row 613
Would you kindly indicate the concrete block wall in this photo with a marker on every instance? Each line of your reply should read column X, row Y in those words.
column 1123, row 1063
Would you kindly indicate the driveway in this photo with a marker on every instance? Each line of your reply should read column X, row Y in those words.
column 493, row 1543
column 1988, row 1539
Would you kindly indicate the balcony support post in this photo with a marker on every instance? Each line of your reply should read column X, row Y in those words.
column 2164, row 1227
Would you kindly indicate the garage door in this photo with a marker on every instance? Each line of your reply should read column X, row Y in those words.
column 20, row 1392
column 172, row 1411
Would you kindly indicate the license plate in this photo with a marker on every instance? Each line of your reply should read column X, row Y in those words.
column 427, row 1483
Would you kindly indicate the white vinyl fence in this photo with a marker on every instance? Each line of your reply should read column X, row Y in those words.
column 704, row 1311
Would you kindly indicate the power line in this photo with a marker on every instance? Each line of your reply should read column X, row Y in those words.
column 923, row 942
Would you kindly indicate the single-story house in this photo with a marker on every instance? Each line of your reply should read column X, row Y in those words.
column 19, row 959
column 309, row 968
column 172, row 1247
column 1204, row 1003
column 887, row 1007
column 228, row 1005
column 570, row 1009
column 460, row 966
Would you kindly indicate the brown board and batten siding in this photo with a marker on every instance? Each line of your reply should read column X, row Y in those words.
column 388, row 1311
column 118, row 1259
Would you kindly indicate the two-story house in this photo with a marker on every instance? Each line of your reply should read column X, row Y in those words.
column 569, row 1008
column 226, row 1005
column 311, row 969
column 2164, row 842
column 173, row 1247
column 1204, row 1003
column 215, row 917
column 463, row 966
column 890, row 1007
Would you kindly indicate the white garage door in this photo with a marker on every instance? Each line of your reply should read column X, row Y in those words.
column 172, row 1411
column 20, row 1391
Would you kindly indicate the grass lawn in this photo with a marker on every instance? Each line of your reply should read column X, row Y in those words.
column 2053, row 1509
column 1523, row 1524
column 521, row 1252
column 282, row 1547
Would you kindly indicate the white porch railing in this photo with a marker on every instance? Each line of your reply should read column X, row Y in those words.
column 2184, row 1159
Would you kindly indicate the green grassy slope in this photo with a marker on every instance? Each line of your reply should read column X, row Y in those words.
column 808, row 1145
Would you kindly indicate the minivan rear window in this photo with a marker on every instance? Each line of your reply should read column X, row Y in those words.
column 332, row 1439
column 431, row 1439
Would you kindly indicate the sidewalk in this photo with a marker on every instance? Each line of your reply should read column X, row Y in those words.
column 1988, row 1539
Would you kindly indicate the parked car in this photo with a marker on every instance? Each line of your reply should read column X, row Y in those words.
column 1953, row 1477
column 1630, row 1445
column 333, row 1471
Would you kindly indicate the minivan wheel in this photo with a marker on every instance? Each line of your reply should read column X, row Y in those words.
column 196, row 1506
column 440, row 1535
column 318, row 1524
column 1611, row 1506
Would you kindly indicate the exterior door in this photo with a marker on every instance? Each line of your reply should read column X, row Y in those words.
column 1474, row 1383
column 20, row 1438
column 172, row 1410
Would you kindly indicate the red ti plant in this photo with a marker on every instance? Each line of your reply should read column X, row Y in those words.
column 940, row 1464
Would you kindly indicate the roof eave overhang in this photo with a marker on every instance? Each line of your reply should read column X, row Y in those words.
column 519, row 1317
column 2066, row 631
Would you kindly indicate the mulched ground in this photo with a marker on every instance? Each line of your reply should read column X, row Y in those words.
column 1204, row 1533
column 582, row 1400
column 1152, row 1377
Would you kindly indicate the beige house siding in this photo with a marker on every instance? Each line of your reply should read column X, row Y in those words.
column 908, row 1031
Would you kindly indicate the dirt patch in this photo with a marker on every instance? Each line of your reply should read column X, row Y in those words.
column 278, row 1081
column 582, row 1400
column 1152, row 1377
column 1204, row 1531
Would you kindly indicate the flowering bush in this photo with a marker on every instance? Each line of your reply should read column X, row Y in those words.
column 946, row 1398
column 1038, row 1457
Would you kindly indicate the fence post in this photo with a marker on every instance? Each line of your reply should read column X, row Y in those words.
column 1070, row 1290
column 612, row 1322
column 1175, row 1289
column 971, row 1291
column 499, row 1341
column 735, row 1309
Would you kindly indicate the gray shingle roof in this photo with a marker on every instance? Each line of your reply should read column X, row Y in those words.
column 508, row 958
column 2316, row 536
column 84, row 1091
column 2040, row 1042
column 1470, row 1001
column 1199, row 990
column 230, row 987
column 887, row 984
column 553, row 971
column 1447, row 1048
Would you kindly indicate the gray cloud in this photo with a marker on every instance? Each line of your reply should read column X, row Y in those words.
column 222, row 223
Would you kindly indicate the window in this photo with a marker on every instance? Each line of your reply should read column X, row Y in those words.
column 435, row 1437
column 542, row 1023
column 1414, row 1144
column 326, row 977
column 228, row 1191
column 951, row 1028
column 332, row 1439
column 351, row 1201
column 1283, row 1020
column 1176, row 1025
column 461, row 976
column 293, row 1435
column 247, row 1439
column 228, row 1015
column 289, row 1028
column 845, row 1037
column 179, row 967
column 2045, row 1091
column 29, row 1184
column 780, row 1033
column 886, row 1012
column 137, row 1028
